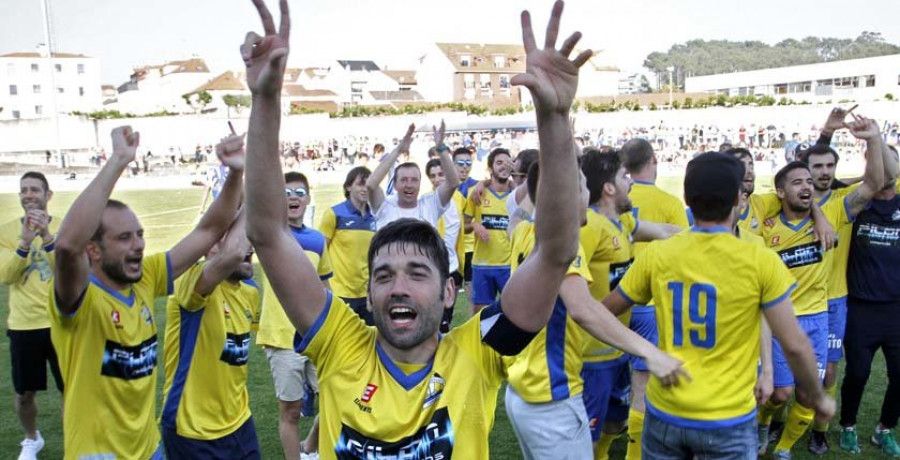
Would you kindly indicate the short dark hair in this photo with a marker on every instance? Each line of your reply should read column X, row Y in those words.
column 817, row 149
column 493, row 155
column 781, row 175
column 636, row 154
column 359, row 171
column 599, row 168
column 461, row 151
column 712, row 183
column 406, row 165
column 378, row 148
column 431, row 163
column 39, row 176
column 97, row 237
column 739, row 153
column 294, row 176
column 526, row 158
column 421, row 235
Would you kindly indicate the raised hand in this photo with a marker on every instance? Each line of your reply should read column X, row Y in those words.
column 439, row 134
column 863, row 128
column 266, row 57
column 125, row 142
column 406, row 142
column 550, row 75
column 230, row 151
column 836, row 118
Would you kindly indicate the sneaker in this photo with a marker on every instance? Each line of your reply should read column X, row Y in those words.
column 775, row 430
column 781, row 455
column 818, row 442
column 308, row 407
column 885, row 439
column 849, row 440
column 30, row 447
column 762, row 432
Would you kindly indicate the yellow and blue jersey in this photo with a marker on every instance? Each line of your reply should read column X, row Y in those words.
column 468, row 238
column 759, row 208
column 652, row 204
column 549, row 368
column 492, row 214
column 28, row 275
column 275, row 329
column 839, row 257
column 107, row 357
column 207, row 346
column 709, row 311
column 348, row 233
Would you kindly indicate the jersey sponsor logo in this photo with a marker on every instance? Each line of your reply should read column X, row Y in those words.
column 877, row 235
column 800, row 256
column 38, row 263
column 617, row 272
column 237, row 349
column 434, row 441
column 129, row 362
column 116, row 317
column 615, row 242
column 369, row 392
column 894, row 216
column 495, row 222
column 435, row 389
column 775, row 240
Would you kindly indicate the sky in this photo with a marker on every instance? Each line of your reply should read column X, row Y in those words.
column 128, row 33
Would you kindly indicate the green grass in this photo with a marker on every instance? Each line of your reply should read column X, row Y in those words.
column 168, row 215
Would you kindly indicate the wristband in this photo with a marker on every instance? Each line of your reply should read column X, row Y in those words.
column 442, row 148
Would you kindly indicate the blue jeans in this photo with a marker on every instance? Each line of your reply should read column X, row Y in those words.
column 664, row 441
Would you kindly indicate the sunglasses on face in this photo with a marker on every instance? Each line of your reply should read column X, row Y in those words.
column 463, row 162
column 297, row 192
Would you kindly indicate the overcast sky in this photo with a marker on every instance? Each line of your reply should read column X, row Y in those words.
column 126, row 33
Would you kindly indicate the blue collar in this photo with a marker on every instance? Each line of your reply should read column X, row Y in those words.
column 746, row 211
column 129, row 301
column 824, row 199
column 352, row 209
column 789, row 225
column 643, row 182
column 408, row 382
column 716, row 229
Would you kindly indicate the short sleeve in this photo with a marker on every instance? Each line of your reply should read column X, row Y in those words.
column 324, row 269
column 328, row 224
column 636, row 284
column 157, row 270
column 337, row 338
column 776, row 280
column 185, row 289
column 767, row 205
column 579, row 266
column 470, row 205
column 678, row 217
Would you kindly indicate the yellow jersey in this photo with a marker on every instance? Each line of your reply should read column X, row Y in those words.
column 709, row 313
column 107, row 357
column 652, row 204
column 839, row 257
column 608, row 248
column 207, row 345
column 759, row 208
column 468, row 238
column 373, row 407
column 491, row 213
column 28, row 275
column 348, row 233
column 275, row 329
column 803, row 255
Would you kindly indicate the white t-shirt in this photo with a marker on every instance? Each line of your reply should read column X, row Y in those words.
column 451, row 232
column 428, row 209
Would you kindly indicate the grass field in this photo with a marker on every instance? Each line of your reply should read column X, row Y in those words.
column 167, row 216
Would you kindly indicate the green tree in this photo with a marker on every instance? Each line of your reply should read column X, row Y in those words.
column 236, row 102
column 197, row 101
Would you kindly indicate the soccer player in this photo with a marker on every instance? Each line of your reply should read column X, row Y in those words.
column 790, row 234
column 649, row 203
column 713, row 416
column 545, row 380
column 209, row 318
column 489, row 221
column 449, row 227
column 293, row 375
column 401, row 387
column 101, row 307
column 462, row 159
column 26, row 266
column 348, row 228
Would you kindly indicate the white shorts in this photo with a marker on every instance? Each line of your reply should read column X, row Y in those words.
column 291, row 371
column 557, row 430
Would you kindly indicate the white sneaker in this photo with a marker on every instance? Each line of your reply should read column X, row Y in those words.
column 30, row 447
column 309, row 456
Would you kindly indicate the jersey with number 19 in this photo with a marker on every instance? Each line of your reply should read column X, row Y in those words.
column 709, row 312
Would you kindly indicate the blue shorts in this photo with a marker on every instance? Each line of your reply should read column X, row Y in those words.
column 487, row 283
column 816, row 329
column 643, row 321
column 242, row 444
column 607, row 388
column 837, row 325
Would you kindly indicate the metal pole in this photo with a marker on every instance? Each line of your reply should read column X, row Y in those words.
column 670, row 69
column 48, row 36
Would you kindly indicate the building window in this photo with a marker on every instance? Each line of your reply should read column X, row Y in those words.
column 13, row 90
column 36, row 89
column 60, row 90
column 500, row 61
column 357, row 86
column 828, row 82
column 38, row 110
column 504, row 81
column 81, row 90
column 781, row 89
column 469, row 81
column 10, row 69
column 35, row 68
column 465, row 60
column 58, row 67
column 847, row 82
column 800, row 87
column 485, row 81
column 80, row 68
column 16, row 114
column 870, row 81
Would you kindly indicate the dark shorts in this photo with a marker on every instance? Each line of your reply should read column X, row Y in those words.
column 607, row 389
column 359, row 306
column 488, row 283
column 467, row 269
column 643, row 322
column 242, row 444
column 31, row 351
column 837, row 326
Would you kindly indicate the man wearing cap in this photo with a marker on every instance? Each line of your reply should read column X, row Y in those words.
column 683, row 421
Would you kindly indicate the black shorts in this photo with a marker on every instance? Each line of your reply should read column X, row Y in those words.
column 467, row 270
column 31, row 351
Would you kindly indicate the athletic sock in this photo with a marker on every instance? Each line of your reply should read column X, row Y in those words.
column 822, row 427
column 635, row 430
column 798, row 420
column 767, row 411
column 601, row 447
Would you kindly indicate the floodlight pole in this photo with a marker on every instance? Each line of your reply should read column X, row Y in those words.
column 48, row 36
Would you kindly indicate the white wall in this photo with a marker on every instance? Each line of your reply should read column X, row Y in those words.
column 434, row 76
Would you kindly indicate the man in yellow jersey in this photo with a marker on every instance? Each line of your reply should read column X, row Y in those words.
column 708, row 305
column 545, row 380
column 348, row 228
column 450, row 229
column 26, row 266
column 101, row 307
column 462, row 159
column 293, row 375
column 650, row 204
column 488, row 220
column 790, row 234
column 206, row 413
column 402, row 388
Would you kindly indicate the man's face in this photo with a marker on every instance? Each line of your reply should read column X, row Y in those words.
column 749, row 182
column 358, row 190
column 32, row 194
column 120, row 251
column 407, row 182
column 406, row 296
column 797, row 191
column 518, row 176
column 436, row 176
column 463, row 164
column 821, row 167
column 296, row 204
column 623, row 188
column 501, row 168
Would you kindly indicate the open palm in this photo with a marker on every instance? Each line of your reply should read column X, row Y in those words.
column 266, row 57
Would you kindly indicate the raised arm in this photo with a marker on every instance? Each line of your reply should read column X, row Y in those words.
column 650, row 231
column 874, row 175
column 83, row 219
column 552, row 79
column 221, row 212
column 290, row 272
column 451, row 176
column 232, row 251
column 373, row 183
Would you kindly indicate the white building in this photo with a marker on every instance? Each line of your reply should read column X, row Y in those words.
column 29, row 82
column 354, row 80
column 856, row 79
column 161, row 87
